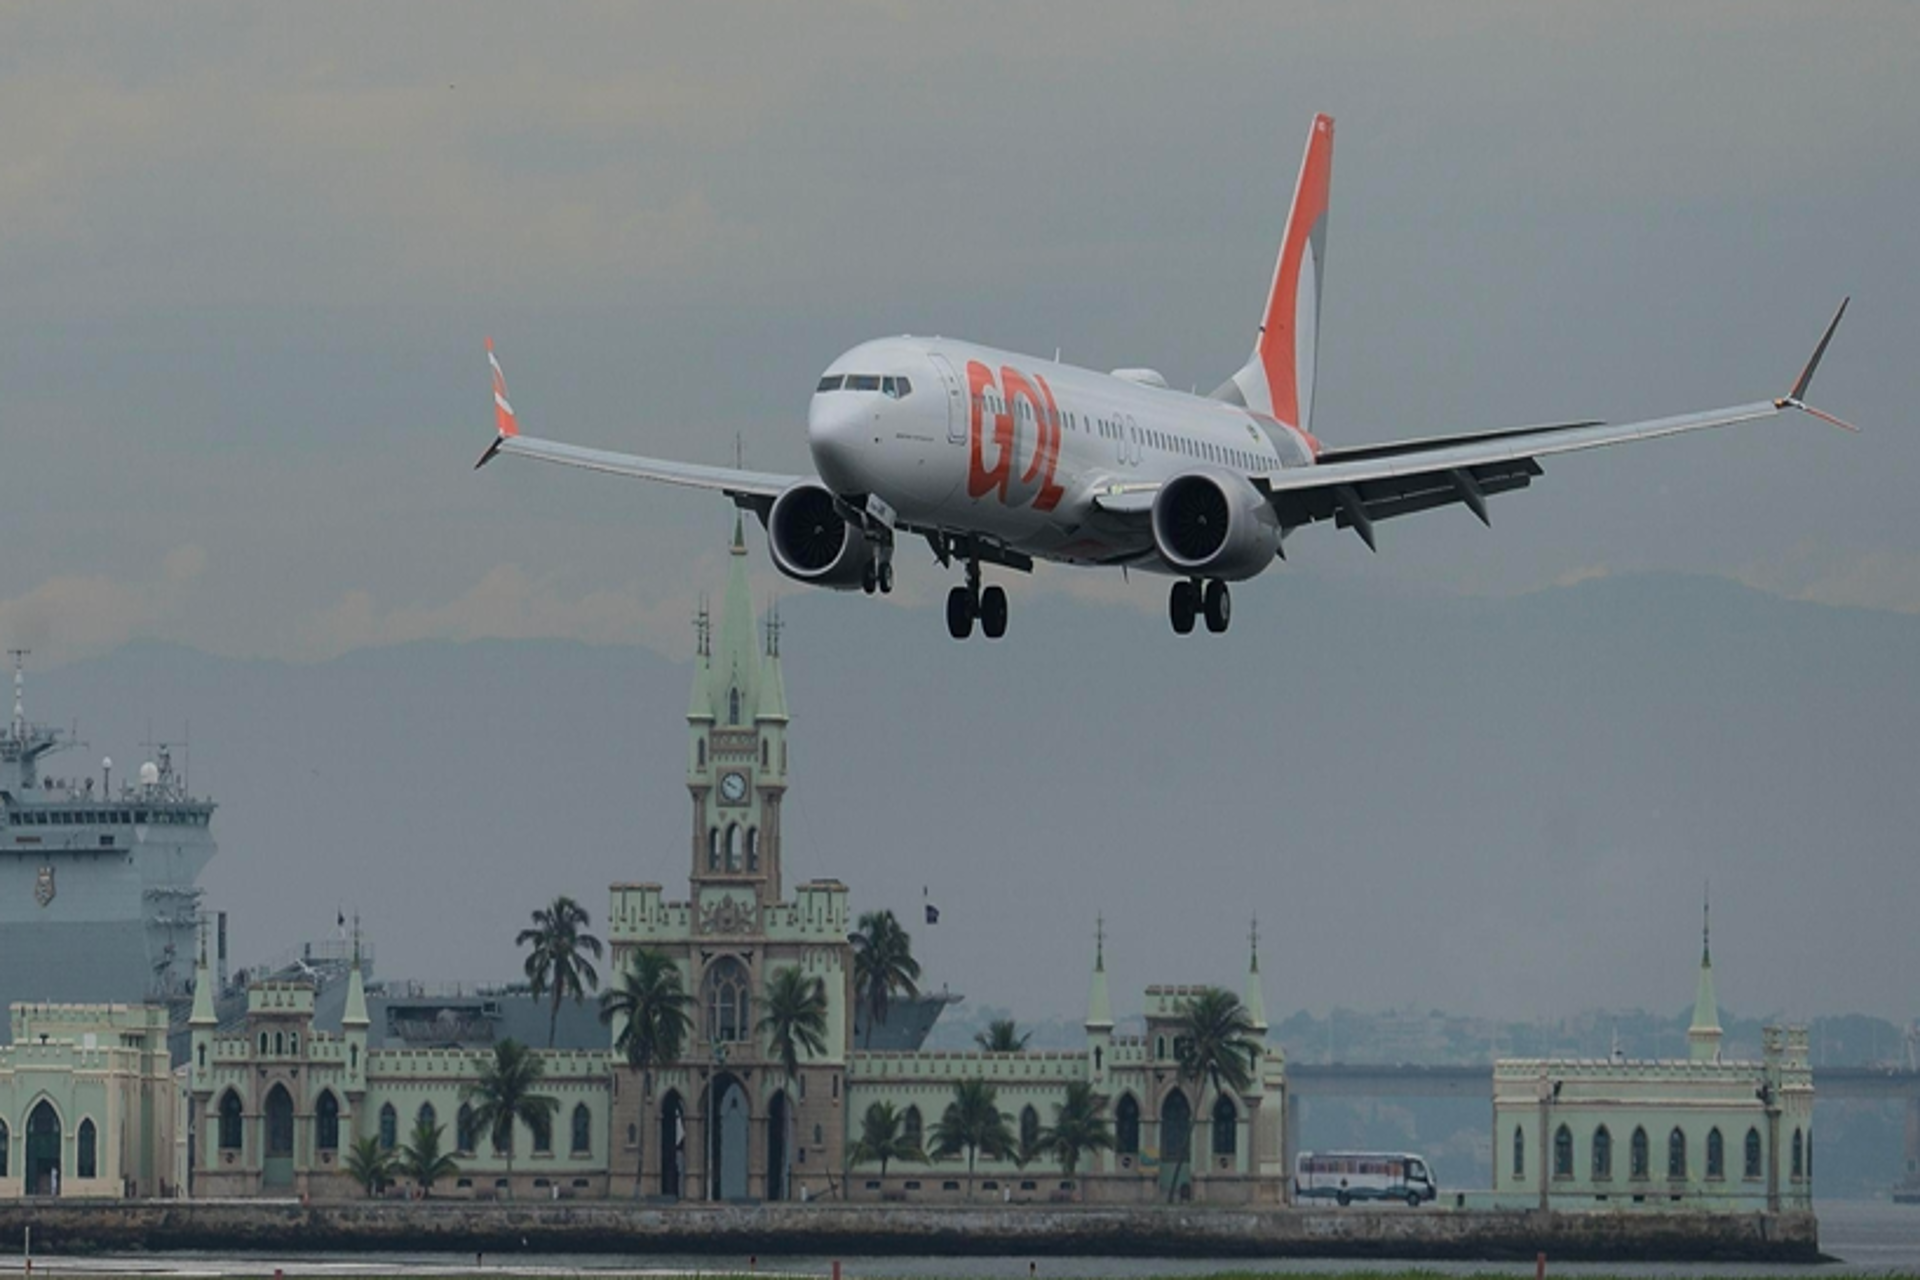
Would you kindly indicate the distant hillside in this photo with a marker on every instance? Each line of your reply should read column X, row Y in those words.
column 1494, row 807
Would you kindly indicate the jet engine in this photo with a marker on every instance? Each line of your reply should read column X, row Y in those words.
column 1214, row 524
column 813, row 542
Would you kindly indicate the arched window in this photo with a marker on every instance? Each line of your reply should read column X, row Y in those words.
column 464, row 1132
column 1676, row 1153
column 728, row 1001
column 753, row 848
column 733, row 706
column 279, row 1121
column 1799, row 1156
column 86, row 1157
column 503, row 1138
column 1752, row 1169
column 279, row 1043
column 1225, row 1128
column 263, row 1044
column 202, row 1051
column 1029, row 1130
column 1716, row 1155
column 4, row 1135
column 326, row 1122
column 1126, row 1127
column 736, row 843
column 1638, row 1157
column 912, row 1126
column 766, row 753
column 230, row 1121
column 1176, row 1127
column 426, row 1117
column 582, row 1130
column 543, row 1135
column 1519, row 1152
column 713, row 848
column 389, row 1127
column 700, row 754
column 1563, row 1152
column 1602, row 1154
column 353, row 1057
column 293, row 1042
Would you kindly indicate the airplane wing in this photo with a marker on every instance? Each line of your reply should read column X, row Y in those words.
column 755, row 489
column 1357, row 487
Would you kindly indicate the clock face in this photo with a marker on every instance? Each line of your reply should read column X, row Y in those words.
column 733, row 787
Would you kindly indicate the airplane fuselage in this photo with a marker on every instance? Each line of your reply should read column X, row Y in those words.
column 975, row 441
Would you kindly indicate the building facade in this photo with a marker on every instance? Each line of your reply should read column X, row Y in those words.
column 1698, row 1132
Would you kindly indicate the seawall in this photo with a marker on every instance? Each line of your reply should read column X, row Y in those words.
column 856, row 1230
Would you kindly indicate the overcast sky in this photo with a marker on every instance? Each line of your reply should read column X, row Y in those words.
column 248, row 256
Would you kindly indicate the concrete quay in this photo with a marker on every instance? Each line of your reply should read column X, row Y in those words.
column 68, row 1226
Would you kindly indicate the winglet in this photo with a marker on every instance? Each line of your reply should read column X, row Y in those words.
column 1794, row 399
column 506, row 425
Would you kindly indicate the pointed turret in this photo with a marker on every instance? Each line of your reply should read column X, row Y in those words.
column 1099, row 1009
column 356, row 1015
column 735, row 665
column 773, row 685
column 202, row 989
column 699, row 704
column 1703, row 1036
column 1256, row 997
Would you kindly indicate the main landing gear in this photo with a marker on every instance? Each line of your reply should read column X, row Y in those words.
column 878, row 576
column 1191, row 598
column 965, row 604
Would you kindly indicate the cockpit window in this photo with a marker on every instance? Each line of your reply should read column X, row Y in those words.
column 863, row 382
column 829, row 383
column 898, row 388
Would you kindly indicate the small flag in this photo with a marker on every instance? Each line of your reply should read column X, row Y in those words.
column 933, row 914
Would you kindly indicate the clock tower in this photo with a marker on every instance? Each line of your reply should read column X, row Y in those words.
column 736, row 753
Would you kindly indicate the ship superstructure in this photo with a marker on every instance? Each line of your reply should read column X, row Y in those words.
column 99, row 900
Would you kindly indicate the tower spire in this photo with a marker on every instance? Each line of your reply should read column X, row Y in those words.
column 19, row 691
column 1256, row 997
column 1099, row 1008
column 1703, row 1035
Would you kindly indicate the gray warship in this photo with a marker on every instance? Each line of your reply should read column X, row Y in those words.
column 99, row 900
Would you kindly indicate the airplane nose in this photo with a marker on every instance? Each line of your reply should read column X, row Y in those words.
column 836, row 430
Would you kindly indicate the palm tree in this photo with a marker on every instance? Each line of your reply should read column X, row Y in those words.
column 972, row 1123
column 795, row 1018
column 422, row 1160
column 1217, row 1047
column 883, row 1138
column 654, row 1025
column 558, row 961
column 1002, row 1036
column 369, row 1164
column 883, row 964
column 1079, row 1127
column 505, row 1093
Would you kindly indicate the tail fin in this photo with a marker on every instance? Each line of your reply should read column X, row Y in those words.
column 1278, row 379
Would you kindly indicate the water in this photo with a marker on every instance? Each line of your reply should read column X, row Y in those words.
column 1864, row 1238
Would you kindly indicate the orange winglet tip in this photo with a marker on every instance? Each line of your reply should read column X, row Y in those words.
column 504, row 421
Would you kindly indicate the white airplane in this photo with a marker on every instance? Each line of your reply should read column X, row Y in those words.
column 1000, row 458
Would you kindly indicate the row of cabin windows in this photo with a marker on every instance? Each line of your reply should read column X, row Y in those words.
column 107, row 818
column 326, row 1120
column 1114, row 429
column 1638, row 1155
column 738, row 850
column 86, row 1153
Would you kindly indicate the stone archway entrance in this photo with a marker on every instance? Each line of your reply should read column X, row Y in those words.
column 673, row 1144
column 277, row 1170
column 779, row 1119
column 43, row 1151
column 727, row 1141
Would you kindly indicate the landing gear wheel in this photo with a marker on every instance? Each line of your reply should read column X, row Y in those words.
column 885, row 577
column 869, row 578
column 1182, row 603
column 993, row 612
column 960, row 613
column 1219, row 606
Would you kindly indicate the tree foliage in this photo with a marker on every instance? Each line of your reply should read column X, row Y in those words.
column 1217, row 1047
column 558, row 963
column 883, row 1137
column 973, row 1123
column 1002, row 1035
column 369, row 1164
column 504, row 1094
column 1079, row 1127
column 795, row 1017
column 883, row 965
column 422, row 1160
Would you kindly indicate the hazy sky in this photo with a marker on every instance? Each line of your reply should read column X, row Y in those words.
column 248, row 256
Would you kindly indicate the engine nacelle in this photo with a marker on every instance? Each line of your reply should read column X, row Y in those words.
column 813, row 542
column 1214, row 524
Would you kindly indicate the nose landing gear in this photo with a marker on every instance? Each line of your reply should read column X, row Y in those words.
column 1190, row 599
column 972, row 601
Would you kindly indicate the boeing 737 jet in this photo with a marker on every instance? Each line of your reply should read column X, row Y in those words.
column 996, row 458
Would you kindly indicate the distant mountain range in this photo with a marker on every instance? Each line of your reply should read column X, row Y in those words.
column 1505, row 808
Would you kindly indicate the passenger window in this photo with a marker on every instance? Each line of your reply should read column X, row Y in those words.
column 829, row 383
